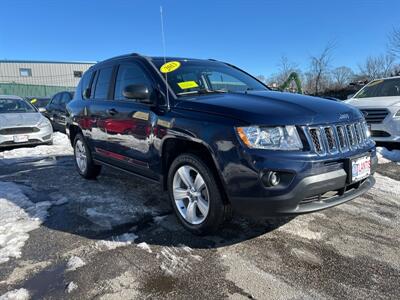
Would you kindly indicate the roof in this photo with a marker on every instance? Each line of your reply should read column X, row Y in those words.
column 47, row 62
column 11, row 97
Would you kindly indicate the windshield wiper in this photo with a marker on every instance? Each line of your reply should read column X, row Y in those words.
column 203, row 92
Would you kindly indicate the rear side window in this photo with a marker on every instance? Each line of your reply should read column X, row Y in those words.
column 85, row 83
column 103, row 83
column 129, row 74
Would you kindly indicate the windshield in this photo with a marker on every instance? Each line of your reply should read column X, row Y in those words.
column 203, row 77
column 380, row 88
column 15, row 106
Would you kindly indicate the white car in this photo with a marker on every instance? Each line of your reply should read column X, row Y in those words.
column 22, row 124
column 379, row 101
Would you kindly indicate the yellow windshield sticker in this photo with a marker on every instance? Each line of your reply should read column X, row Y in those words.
column 375, row 82
column 34, row 100
column 188, row 85
column 170, row 66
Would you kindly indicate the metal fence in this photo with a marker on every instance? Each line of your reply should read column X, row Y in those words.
column 32, row 90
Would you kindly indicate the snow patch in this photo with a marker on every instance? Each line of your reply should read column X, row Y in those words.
column 175, row 261
column 145, row 247
column 61, row 146
column 18, row 216
column 20, row 294
column 385, row 155
column 74, row 263
column 118, row 241
column 71, row 287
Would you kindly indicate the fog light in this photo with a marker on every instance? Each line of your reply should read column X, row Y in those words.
column 271, row 178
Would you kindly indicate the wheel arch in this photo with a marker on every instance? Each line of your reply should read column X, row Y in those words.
column 173, row 147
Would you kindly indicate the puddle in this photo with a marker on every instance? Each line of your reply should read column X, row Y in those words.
column 49, row 283
column 159, row 283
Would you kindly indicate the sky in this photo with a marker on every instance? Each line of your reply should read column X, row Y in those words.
column 251, row 34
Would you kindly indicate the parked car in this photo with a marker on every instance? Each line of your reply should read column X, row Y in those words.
column 55, row 111
column 379, row 101
column 22, row 124
column 216, row 138
column 39, row 102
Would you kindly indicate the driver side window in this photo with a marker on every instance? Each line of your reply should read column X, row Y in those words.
column 129, row 74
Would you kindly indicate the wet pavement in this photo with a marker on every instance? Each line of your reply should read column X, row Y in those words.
column 123, row 230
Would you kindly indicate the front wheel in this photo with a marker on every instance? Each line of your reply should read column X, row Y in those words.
column 83, row 159
column 195, row 195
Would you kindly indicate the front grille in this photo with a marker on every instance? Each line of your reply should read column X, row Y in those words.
column 18, row 130
column 337, row 138
column 375, row 115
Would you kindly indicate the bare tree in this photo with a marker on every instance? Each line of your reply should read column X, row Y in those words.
column 342, row 76
column 394, row 42
column 319, row 68
column 378, row 66
column 285, row 68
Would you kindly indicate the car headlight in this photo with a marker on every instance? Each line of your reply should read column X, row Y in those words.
column 272, row 138
column 44, row 123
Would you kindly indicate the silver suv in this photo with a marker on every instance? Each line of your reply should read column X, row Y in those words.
column 379, row 101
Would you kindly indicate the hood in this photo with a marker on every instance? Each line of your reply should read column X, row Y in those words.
column 272, row 108
column 379, row 102
column 19, row 119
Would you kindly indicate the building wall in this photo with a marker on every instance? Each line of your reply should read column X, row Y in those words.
column 59, row 74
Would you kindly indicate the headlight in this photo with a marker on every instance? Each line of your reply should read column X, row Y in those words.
column 273, row 138
column 44, row 123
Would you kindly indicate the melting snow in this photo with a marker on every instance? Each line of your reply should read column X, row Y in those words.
column 61, row 146
column 145, row 246
column 18, row 216
column 118, row 241
column 386, row 155
column 71, row 287
column 74, row 263
column 20, row 294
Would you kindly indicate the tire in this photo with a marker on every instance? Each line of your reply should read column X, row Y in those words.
column 84, row 164
column 200, row 221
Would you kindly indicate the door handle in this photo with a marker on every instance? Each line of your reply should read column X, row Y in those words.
column 112, row 111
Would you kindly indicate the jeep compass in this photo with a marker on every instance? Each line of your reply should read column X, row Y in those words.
column 217, row 139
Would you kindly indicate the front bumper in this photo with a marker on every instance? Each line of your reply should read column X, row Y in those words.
column 387, row 131
column 44, row 135
column 312, row 184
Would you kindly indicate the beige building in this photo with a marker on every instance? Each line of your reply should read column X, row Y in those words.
column 39, row 78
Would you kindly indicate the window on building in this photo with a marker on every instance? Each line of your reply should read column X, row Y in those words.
column 103, row 83
column 23, row 72
column 78, row 74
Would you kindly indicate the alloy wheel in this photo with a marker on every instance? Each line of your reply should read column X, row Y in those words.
column 191, row 194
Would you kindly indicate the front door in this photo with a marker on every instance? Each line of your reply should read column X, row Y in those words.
column 128, row 124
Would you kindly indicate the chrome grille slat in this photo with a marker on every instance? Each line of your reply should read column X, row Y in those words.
column 331, row 139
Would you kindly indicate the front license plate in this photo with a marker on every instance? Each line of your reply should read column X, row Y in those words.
column 21, row 138
column 360, row 168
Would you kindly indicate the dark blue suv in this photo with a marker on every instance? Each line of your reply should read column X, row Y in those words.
column 218, row 139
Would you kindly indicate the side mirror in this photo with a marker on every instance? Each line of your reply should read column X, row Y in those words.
column 42, row 109
column 139, row 92
column 350, row 96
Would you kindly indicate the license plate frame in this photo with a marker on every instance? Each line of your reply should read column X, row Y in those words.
column 360, row 168
column 21, row 138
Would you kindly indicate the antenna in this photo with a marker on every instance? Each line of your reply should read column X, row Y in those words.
column 165, row 55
